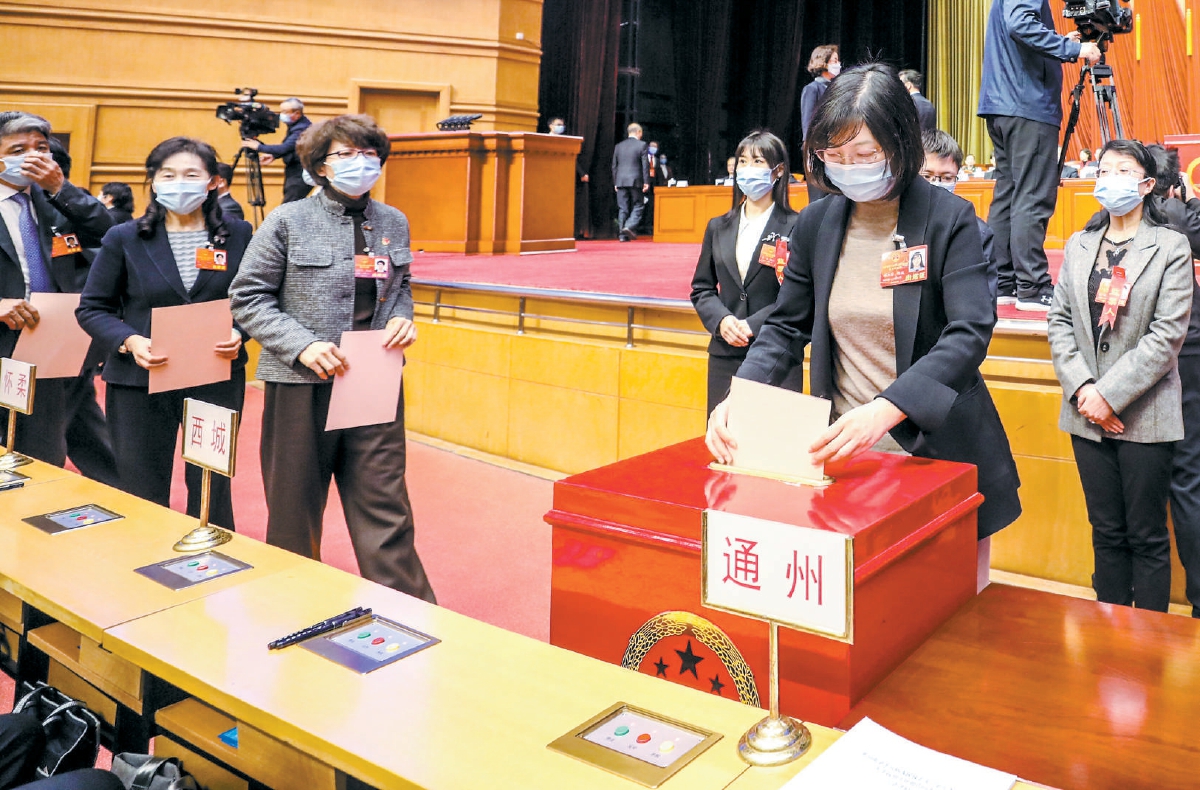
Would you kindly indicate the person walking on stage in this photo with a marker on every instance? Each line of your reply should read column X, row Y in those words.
column 297, row 292
column 1117, row 323
column 1021, row 100
column 631, row 177
column 164, row 258
column 737, row 277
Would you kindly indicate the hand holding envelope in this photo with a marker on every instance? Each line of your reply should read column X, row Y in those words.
column 188, row 345
column 369, row 392
column 51, row 338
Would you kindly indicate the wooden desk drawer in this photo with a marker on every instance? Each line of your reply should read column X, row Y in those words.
column 11, row 609
column 259, row 756
column 72, row 685
column 209, row 774
column 115, row 677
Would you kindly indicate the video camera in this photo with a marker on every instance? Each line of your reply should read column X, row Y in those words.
column 1099, row 20
column 254, row 118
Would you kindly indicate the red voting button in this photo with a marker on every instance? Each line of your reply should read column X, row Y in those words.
column 644, row 738
column 379, row 640
column 202, row 568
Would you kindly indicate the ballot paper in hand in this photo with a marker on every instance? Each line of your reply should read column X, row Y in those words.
column 774, row 428
column 871, row 757
column 369, row 392
column 57, row 345
column 187, row 335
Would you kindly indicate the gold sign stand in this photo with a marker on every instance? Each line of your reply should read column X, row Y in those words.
column 206, row 536
column 776, row 740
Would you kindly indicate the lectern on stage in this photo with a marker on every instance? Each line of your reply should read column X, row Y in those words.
column 626, row 585
column 485, row 192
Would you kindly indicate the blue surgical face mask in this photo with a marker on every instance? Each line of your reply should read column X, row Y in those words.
column 755, row 182
column 653, row 150
column 557, row 128
column 307, row 178
column 948, row 187
column 1118, row 194
column 181, row 197
column 354, row 177
column 861, row 183
column 11, row 174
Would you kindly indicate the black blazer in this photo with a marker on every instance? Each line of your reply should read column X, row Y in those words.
column 630, row 167
column 230, row 207
column 943, row 326
column 925, row 112
column 131, row 276
column 718, row 290
column 71, row 211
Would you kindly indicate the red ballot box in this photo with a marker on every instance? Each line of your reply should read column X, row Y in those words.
column 626, row 584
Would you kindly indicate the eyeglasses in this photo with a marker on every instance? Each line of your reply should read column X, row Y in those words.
column 1124, row 172
column 350, row 153
column 831, row 156
column 931, row 178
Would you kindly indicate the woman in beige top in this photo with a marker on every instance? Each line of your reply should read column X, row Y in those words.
column 899, row 358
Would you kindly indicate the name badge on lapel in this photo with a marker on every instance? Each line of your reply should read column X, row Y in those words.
column 211, row 260
column 1113, row 293
column 374, row 267
column 64, row 244
column 774, row 253
column 906, row 265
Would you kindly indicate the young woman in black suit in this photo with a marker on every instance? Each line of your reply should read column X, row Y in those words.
column 900, row 363
column 736, row 280
column 152, row 262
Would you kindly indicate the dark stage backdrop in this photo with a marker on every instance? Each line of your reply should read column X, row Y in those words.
column 703, row 72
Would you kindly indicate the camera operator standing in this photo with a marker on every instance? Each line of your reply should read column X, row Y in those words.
column 291, row 112
column 1021, row 100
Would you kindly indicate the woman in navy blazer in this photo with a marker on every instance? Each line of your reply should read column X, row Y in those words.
column 152, row 262
column 865, row 147
column 736, row 280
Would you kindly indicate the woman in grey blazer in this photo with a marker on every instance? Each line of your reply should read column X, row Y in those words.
column 297, row 292
column 1117, row 361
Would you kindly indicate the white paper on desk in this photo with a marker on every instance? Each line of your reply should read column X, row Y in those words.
column 871, row 757
column 774, row 428
column 369, row 392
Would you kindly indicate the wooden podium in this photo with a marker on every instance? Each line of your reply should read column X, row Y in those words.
column 484, row 192
column 626, row 575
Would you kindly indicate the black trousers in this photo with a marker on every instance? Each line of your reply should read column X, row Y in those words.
column 88, row 444
column 629, row 208
column 42, row 435
column 1027, row 181
column 1126, row 486
column 22, row 742
column 145, row 429
column 1185, row 480
column 722, row 369
column 298, row 459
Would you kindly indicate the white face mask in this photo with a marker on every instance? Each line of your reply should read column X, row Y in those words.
column 181, row 197
column 861, row 183
column 11, row 172
column 834, row 68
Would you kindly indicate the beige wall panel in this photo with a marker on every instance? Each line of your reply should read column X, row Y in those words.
column 1053, row 539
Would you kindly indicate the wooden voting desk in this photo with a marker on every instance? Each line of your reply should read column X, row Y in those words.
column 1064, row 691
column 682, row 213
column 484, row 192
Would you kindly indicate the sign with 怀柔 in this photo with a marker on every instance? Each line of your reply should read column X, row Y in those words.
column 16, row 385
column 795, row 576
column 209, row 436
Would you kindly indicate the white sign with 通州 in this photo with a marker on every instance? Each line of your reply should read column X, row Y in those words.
column 16, row 385
column 209, row 436
column 796, row 576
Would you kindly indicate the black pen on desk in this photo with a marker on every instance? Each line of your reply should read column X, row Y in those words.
column 322, row 627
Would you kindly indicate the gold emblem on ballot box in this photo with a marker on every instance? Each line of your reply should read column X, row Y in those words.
column 680, row 659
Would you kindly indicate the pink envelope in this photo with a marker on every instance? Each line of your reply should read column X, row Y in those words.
column 186, row 335
column 57, row 345
column 369, row 392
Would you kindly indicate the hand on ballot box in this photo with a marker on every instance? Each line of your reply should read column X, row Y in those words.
column 18, row 313
column 324, row 359
column 855, row 431
column 401, row 333
column 719, row 440
column 230, row 348
column 140, row 348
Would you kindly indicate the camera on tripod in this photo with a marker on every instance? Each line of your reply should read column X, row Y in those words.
column 1099, row 20
column 253, row 118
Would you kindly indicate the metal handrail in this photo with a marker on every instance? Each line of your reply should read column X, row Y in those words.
column 524, row 293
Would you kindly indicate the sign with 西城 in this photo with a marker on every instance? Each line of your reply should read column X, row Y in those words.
column 209, row 436
column 799, row 577
column 17, row 381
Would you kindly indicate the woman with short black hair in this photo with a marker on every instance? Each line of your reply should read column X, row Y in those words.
column 298, row 291
column 117, row 197
column 897, row 351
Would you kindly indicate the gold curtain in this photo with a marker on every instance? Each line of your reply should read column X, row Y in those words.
column 955, row 71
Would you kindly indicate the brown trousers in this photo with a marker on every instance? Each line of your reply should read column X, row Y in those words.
column 298, row 458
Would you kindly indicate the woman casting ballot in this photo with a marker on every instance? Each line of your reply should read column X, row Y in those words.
column 896, row 350
column 164, row 258
column 1118, row 362
column 332, row 263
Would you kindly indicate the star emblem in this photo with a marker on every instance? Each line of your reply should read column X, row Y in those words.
column 660, row 668
column 717, row 685
column 688, row 660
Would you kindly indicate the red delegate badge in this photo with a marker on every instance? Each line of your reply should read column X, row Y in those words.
column 374, row 267
column 1112, row 293
column 775, row 255
column 909, row 265
column 64, row 244
column 211, row 260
